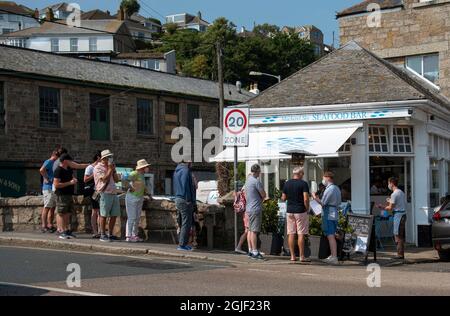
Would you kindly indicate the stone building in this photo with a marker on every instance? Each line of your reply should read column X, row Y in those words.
column 410, row 33
column 87, row 105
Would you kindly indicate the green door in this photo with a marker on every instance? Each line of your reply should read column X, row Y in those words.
column 12, row 182
column 100, row 117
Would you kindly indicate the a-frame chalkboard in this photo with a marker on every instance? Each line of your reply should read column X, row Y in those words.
column 363, row 235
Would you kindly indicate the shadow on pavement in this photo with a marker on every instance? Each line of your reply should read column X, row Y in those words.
column 14, row 290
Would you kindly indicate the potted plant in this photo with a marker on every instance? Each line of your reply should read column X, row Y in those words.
column 270, row 224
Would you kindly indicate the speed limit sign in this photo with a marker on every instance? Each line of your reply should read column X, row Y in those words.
column 236, row 127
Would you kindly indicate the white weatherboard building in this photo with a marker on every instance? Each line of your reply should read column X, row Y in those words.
column 362, row 118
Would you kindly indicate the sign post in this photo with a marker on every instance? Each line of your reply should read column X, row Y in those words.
column 236, row 134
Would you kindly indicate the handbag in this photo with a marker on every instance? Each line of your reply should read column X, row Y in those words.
column 96, row 195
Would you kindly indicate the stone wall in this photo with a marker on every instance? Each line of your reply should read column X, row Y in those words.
column 419, row 28
column 27, row 144
column 157, row 224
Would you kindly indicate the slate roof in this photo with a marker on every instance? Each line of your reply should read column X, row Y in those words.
column 362, row 7
column 88, row 27
column 15, row 8
column 348, row 75
column 48, row 65
column 96, row 15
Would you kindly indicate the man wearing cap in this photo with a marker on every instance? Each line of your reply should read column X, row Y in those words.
column 105, row 177
column 184, row 201
column 64, row 183
column 134, row 200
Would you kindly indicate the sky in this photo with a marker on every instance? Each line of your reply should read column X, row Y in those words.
column 320, row 13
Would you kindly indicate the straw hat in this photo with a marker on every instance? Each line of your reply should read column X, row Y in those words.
column 106, row 153
column 141, row 164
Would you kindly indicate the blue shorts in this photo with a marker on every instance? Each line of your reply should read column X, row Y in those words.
column 329, row 227
column 109, row 205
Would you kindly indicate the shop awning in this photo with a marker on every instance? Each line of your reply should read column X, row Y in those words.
column 269, row 143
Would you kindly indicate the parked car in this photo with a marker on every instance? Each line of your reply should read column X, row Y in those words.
column 441, row 229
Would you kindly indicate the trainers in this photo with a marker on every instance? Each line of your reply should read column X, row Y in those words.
column 131, row 239
column 104, row 238
column 240, row 251
column 64, row 236
column 331, row 260
column 184, row 248
column 138, row 239
column 96, row 236
column 112, row 237
column 44, row 230
column 70, row 233
column 257, row 257
column 51, row 230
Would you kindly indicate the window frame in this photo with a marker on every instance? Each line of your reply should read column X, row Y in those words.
column 396, row 136
column 422, row 70
column 371, row 141
column 151, row 120
column 45, row 94
column 167, row 132
column 106, row 98
column 93, row 42
column 52, row 45
column 2, row 107
column 74, row 48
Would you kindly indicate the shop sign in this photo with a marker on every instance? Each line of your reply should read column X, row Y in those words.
column 330, row 116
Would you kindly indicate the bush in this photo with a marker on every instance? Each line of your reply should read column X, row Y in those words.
column 270, row 214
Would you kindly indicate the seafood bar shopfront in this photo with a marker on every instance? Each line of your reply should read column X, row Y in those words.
column 363, row 143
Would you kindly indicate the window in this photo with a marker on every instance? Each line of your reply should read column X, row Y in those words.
column 426, row 66
column 74, row 44
column 435, row 188
column 2, row 108
column 317, row 50
column 172, row 119
column 2, row 17
column 193, row 114
column 346, row 148
column 141, row 36
column 7, row 31
column 55, row 45
column 378, row 139
column 13, row 18
column 402, row 140
column 144, row 117
column 49, row 109
column 17, row 42
column 93, row 44
column 151, row 64
column 99, row 108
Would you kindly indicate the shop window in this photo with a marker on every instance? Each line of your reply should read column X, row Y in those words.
column 145, row 117
column 172, row 119
column 49, row 107
column 346, row 148
column 99, row 107
column 2, row 108
column 402, row 140
column 378, row 140
column 435, row 188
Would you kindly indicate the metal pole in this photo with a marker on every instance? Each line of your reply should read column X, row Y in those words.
column 235, row 190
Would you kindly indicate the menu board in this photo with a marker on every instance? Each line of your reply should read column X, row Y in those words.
column 362, row 232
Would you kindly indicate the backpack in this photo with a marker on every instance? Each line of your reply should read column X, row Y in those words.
column 240, row 202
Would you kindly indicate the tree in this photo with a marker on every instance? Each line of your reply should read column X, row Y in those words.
column 130, row 6
column 266, row 29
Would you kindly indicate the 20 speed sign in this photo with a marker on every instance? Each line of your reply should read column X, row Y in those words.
column 236, row 127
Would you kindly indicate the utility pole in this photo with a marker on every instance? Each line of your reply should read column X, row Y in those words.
column 220, row 79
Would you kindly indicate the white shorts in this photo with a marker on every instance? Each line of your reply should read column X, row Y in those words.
column 49, row 199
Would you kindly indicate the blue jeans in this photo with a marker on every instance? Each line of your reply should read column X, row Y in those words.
column 185, row 211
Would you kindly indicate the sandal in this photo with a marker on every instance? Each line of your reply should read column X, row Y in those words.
column 305, row 260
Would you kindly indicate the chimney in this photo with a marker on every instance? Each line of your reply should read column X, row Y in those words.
column 36, row 14
column 243, row 29
column 49, row 15
column 107, row 12
column 199, row 15
column 121, row 16
column 254, row 89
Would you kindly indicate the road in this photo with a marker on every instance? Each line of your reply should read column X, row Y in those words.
column 25, row 271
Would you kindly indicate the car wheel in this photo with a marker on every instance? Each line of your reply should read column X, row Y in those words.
column 444, row 255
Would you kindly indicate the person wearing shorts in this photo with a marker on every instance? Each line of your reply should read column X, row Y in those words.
column 64, row 183
column 255, row 196
column 296, row 193
column 330, row 202
column 397, row 205
column 105, row 177
column 48, row 212
column 89, row 190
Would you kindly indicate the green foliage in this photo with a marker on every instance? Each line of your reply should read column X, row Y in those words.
column 268, row 51
column 315, row 225
column 270, row 216
column 130, row 6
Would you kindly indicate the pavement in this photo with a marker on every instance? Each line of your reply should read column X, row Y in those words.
column 84, row 243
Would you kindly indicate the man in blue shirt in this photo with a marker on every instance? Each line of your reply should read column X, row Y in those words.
column 48, row 212
column 184, row 200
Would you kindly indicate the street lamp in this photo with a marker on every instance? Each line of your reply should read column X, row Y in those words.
column 257, row 73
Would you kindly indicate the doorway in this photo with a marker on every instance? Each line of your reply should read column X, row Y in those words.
column 383, row 168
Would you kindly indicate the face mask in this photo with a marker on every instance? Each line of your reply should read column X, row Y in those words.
column 111, row 160
column 390, row 187
column 324, row 182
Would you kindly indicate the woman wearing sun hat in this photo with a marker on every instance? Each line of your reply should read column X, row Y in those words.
column 135, row 199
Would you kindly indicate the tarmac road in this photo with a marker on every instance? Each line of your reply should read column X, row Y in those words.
column 25, row 271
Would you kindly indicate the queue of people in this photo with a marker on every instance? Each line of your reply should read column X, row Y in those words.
column 100, row 178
